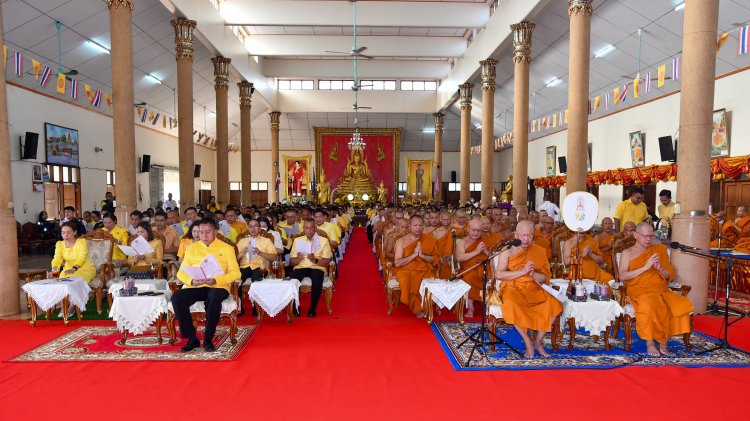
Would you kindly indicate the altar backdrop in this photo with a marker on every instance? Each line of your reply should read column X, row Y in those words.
column 381, row 151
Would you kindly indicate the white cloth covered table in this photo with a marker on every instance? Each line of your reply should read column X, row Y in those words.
column 592, row 315
column 49, row 292
column 142, row 285
column 273, row 295
column 138, row 312
column 563, row 284
column 445, row 294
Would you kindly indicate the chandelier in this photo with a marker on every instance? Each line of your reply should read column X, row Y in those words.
column 356, row 142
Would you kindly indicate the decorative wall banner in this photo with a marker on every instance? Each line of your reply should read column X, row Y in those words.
column 637, row 155
column 355, row 171
column 551, row 161
column 298, row 175
column 719, row 134
column 419, row 179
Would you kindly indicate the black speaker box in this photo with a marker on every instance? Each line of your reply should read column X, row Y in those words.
column 197, row 171
column 453, row 177
column 666, row 149
column 30, row 143
column 563, row 164
column 146, row 163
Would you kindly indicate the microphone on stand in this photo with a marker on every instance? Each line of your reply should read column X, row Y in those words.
column 514, row 243
column 683, row 247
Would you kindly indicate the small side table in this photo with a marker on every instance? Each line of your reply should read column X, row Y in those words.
column 134, row 314
column 274, row 295
column 444, row 294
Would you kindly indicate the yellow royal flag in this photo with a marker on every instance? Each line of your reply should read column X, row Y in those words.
column 722, row 40
column 660, row 71
column 554, row 120
column 60, row 83
column 87, row 88
column 151, row 116
column 616, row 95
column 164, row 121
column 5, row 56
column 636, row 86
column 566, row 116
column 37, row 68
column 597, row 102
column 108, row 99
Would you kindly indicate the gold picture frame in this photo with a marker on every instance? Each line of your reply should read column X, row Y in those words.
column 289, row 179
column 719, row 134
column 551, row 156
column 637, row 149
column 419, row 180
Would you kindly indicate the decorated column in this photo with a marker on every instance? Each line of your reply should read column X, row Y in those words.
column 578, row 93
column 246, row 92
column 439, row 118
column 183, row 30
column 692, row 226
column 123, row 125
column 488, row 127
column 465, row 175
column 275, row 156
column 521, row 59
column 9, row 290
column 221, row 74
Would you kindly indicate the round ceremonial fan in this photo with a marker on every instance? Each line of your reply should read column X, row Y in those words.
column 579, row 211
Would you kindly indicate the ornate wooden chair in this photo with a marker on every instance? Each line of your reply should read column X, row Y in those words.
column 30, row 239
column 329, row 280
column 229, row 308
column 100, row 244
column 392, row 287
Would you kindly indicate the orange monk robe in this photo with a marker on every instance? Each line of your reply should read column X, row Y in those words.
column 410, row 276
column 492, row 239
column 607, row 255
column 525, row 303
column 591, row 269
column 742, row 243
column 444, row 248
column 544, row 241
column 729, row 236
column 659, row 312
column 475, row 278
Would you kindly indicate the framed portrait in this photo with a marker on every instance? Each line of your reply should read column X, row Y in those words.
column 637, row 149
column 297, row 176
column 62, row 145
column 419, row 187
column 551, row 161
column 37, row 187
column 36, row 173
column 719, row 134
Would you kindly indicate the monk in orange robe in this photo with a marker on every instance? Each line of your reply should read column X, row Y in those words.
column 605, row 240
column 459, row 220
column 591, row 257
column 646, row 271
column 525, row 304
column 492, row 237
column 414, row 257
column 717, row 221
column 471, row 250
column 742, row 227
column 543, row 235
column 444, row 244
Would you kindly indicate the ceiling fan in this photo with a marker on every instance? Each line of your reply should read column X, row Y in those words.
column 638, row 73
column 355, row 52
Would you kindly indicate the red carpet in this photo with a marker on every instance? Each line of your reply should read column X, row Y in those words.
column 357, row 363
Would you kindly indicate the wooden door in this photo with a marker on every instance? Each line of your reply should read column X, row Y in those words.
column 736, row 193
column 234, row 197
column 52, row 200
column 70, row 196
column 204, row 196
column 259, row 197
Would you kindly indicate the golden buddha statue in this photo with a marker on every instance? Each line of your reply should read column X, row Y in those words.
column 324, row 189
column 507, row 195
column 356, row 167
column 356, row 179
column 382, row 193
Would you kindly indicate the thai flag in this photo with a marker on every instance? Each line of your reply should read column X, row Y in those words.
column 74, row 88
column 97, row 99
column 145, row 114
column 314, row 184
column 743, row 41
column 45, row 76
column 155, row 119
column 606, row 100
column 676, row 68
column 647, row 83
column 18, row 62
column 624, row 93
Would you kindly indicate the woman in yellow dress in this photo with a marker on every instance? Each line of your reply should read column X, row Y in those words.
column 72, row 255
column 140, row 262
column 191, row 237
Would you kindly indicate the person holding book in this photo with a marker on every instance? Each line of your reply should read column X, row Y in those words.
column 208, row 270
column 255, row 251
column 117, row 232
column 310, row 256
column 149, row 250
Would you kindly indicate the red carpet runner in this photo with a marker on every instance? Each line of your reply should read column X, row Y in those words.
column 357, row 363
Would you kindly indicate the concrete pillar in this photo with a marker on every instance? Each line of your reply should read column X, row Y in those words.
column 246, row 92
column 439, row 119
column 578, row 93
column 465, row 176
column 183, row 29
column 221, row 74
column 694, row 150
column 123, row 125
column 9, row 286
column 488, row 128
column 276, row 168
column 522, row 60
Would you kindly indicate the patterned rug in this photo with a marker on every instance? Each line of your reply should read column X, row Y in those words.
column 99, row 343
column 586, row 353
column 738, row 301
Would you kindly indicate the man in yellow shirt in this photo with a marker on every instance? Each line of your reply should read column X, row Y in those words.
column 118, row 233
column 666, row 209
column 212, row 205
column 211, row 291
column 631, row 210
column 171, row 238
column 234, row 222
column 289, row 227
column 310, row 256
column 321, row 220
column 254, row 251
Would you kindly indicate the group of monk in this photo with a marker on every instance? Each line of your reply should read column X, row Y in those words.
column 414, row 244
column 728, row 233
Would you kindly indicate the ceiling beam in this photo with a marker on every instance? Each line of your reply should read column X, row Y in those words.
column 369, row 13
column 388, row 46
column 343, row 69
column 341, row 101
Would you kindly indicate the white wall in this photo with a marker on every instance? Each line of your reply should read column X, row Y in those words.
column 609, row 137
column 28, row 111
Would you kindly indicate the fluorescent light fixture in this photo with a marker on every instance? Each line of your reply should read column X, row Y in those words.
column 679, row 7
column 604, row 51
column 153, row 78
column 212, row 114
column 554, row 82
column 428, row 130
column 97, row 47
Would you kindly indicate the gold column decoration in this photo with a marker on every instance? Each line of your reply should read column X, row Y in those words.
column 275, row 155
column 465, row 95
column 123, row 97
column 522, row 60
column 221, row 77
column 578, row 93
column 9, row 288
column 692, row 225
column 183, row 30
column 439, row 119
column 488, row 127
column 246, row 93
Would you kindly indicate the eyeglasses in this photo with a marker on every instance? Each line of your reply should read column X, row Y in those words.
column 644, row 236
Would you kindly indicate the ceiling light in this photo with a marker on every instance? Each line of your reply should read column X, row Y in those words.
column 153, row 78
column 554, row 82
column 97, row 47
column 679, row 7
column 428, row 130
column 604, row 51
column 212, row 114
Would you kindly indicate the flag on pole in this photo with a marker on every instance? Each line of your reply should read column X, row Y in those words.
column 616, row 95
column 60, row 83
column 647, row 83
column 624, row 93
column 45, row 76
column 660, row 73
column 37, row 68
column 606, row 100
column 743, row 41
column 108, row 99
column 96, row 100
column 18, row 62
column 675, row 68
column 314, row 184
column 155, row 119
column 636, row 86
column 74, row 88
column 278, row 180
